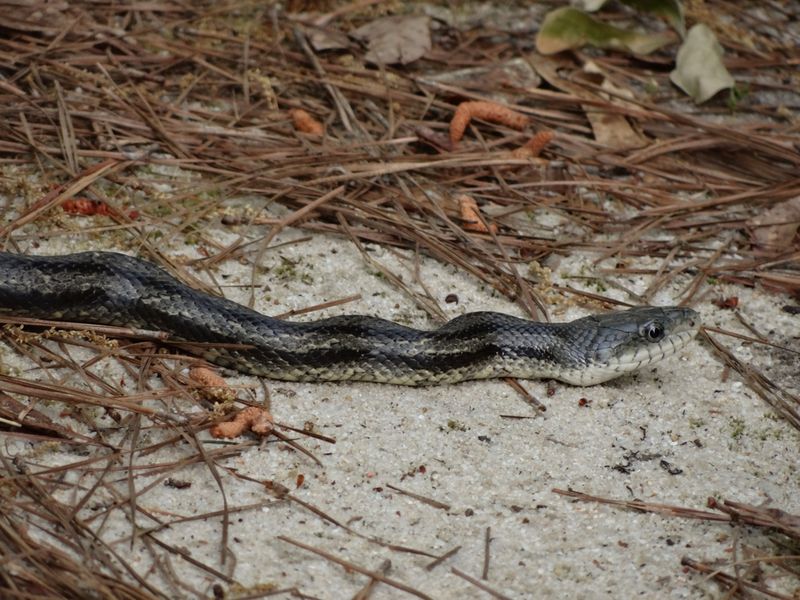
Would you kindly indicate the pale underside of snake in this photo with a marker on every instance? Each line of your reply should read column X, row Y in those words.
column 114, row 289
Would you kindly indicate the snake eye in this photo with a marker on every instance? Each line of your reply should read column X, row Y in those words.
column 653, row 332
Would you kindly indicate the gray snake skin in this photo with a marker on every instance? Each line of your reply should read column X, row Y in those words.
column 115, row 289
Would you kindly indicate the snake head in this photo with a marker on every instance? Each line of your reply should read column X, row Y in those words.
column 628, row 340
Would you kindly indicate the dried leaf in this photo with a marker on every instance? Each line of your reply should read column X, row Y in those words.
column 322, row 39
column 611, row 129
column 698, row 68
column 392, row 40
column 470, row 214
column 774, row 230
column 502, row 82
column 569, row 27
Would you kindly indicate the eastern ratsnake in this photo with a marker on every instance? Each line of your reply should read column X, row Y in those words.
column 115, row 289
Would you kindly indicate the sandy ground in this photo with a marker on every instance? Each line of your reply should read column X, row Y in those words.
column 677, row 433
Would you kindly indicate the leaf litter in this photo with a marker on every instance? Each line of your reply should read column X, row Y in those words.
column 173, row 109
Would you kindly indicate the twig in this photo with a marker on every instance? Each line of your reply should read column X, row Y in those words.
column 357, row 568
column 479, row 584
column 423, row 499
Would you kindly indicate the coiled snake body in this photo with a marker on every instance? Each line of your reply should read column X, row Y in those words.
column 114, row 289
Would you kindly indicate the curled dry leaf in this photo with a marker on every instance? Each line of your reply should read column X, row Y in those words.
column 214, row 387
column 305, row 123
column 324, row 38
column 488, row 111
column 392, row 40
column 774, row 230
column 698, row 67
column 470, row 214
column 252, row 418
column 611, row 128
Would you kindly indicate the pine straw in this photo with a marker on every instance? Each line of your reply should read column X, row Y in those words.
column 112, row 101
column 749, row 563
column 33, row 494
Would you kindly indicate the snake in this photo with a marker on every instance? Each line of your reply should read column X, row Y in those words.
column 108, row 288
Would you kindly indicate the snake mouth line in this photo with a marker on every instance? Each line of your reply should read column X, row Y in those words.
column 645, row 355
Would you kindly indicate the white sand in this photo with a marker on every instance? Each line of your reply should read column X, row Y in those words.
column 454, row 445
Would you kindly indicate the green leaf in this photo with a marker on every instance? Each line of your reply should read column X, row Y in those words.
column 698, row 68
column 568, row 27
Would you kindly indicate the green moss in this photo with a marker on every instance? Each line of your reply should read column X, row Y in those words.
column 454, row 425
column 737, row 428
column 768, row 433
column 192, row 238
column 737, row 94
column 288, row 271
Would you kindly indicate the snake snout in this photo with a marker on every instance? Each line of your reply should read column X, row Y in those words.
column 638, row 337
